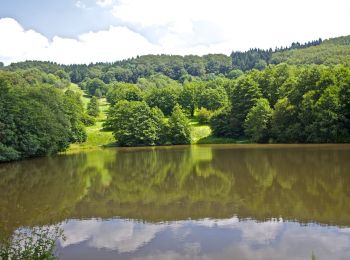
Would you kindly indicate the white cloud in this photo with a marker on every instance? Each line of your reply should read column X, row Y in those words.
column 17, row 43
column 238, row 24
column 104, row 3
column 182, row 27
column 113, row 44
column 80, row 4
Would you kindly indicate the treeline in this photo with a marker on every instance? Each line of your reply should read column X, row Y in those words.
column 182, row 68
column 37, row 117
column 288, row 104
column 283, row 103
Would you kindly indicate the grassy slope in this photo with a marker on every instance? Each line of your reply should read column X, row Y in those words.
column 96, row 138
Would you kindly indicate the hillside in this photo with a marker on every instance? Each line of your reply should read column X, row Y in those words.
column 329, row 52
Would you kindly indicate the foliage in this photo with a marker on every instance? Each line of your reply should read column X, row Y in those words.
column 212, row 98
column 37, row 120
column 244, row 96
column 220, row 122
column 257, row 122
column 329, row 52
column 93, row 107
column 251, row 59
column 74, row 109
column 95, row 87
column 235, row 73
column 163, row 98
column 203, row 115
column 123, row 91
column 188, row 97
column 88, row 120
column 36, row 243
column 310, row 104
column 179, row 127
column 134, row 123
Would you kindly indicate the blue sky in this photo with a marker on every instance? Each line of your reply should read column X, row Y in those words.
column 83, row 31
column 62, row 18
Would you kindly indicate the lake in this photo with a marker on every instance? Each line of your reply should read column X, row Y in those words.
column 186, row 202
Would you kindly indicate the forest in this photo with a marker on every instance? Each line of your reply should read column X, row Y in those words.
column 295, row 94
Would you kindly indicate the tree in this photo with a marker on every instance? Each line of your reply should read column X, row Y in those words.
column 188, row 97
column 134, row 123
column 203, row 115
column 96, row 87
column 257, row 122
column 62, row 75
column 212, row 98
column 194, row 65
column 179, row 127
column 234, row 74
column 122, row 74
column 93, row 107
column 285, row 127
column 163, row 98
column 108, row 77
column 217, row 63
column 124, row 91
column 74, row 109
column 329, row 123
column 33, row 122
column 244, row 96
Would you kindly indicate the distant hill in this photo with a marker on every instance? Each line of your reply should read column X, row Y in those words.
column 329, row 52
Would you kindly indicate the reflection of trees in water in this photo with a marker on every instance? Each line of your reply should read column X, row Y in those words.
column 157, row 184
column 308, row 185
column 42, row 191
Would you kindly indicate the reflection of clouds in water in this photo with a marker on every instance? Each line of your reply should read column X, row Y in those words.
column 246, row 239
column 251, row 231
column 171, row 255
column 262, row 232
column 124, row 236
column 230, row 222
column 295, row 242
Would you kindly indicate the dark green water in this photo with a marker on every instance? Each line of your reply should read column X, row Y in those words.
column 187, row 202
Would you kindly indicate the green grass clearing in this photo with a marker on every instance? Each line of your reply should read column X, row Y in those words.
column 96, row 136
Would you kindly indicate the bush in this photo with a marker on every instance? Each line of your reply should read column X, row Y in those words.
column 36, row 243
column 204, row 115
column 88, row 120
column 8, row 154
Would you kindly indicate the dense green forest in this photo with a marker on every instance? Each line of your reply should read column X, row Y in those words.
column 295, row 94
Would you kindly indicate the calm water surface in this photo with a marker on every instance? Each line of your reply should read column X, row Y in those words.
column 187, row 202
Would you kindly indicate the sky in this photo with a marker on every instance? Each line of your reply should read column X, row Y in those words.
column 84, row 31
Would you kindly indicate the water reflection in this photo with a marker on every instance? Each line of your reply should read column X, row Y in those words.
column 158, row 186
column 203, row 239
